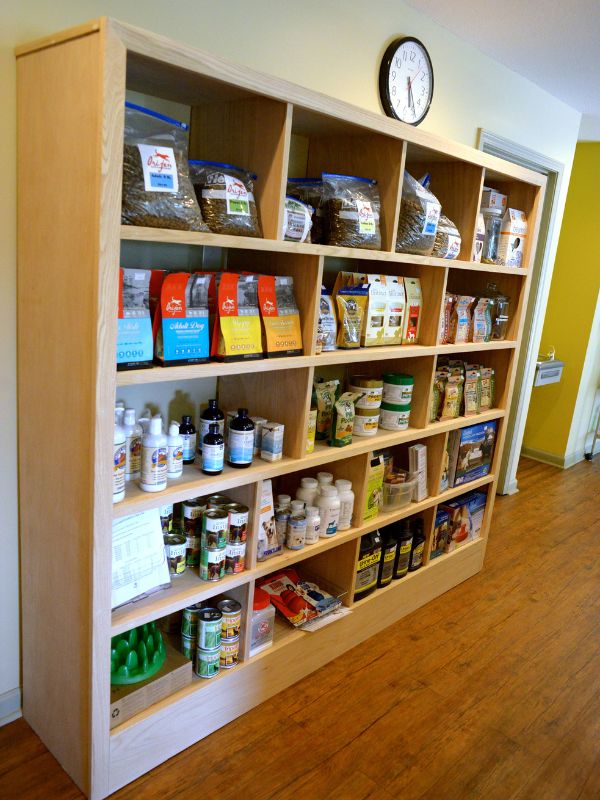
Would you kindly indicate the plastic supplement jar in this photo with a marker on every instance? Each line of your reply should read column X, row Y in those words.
column 307, row 491
column 397, row 388
column 329, row 511
column 324, row 479
column 346, row 496
column 313, row 525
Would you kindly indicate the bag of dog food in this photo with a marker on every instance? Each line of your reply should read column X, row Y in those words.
column 396, row 303
column 134, row 327
column 310, row 192
column 280, row 316
column 181, row 323
column 419, row 216
column 353, row 209
column 226, row 197
column 157, row 191
column 237, row 333
column 447, row 239
column 373, row 328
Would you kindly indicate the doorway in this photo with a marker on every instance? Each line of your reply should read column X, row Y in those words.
column 536, row 305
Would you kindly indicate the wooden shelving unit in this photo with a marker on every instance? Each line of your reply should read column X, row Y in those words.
column 71, row 90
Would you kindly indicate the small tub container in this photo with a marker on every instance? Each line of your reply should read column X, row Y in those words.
column 398, row 489
column 394, row 417
column 366, row 422
column 398, row 388
column 371, row 390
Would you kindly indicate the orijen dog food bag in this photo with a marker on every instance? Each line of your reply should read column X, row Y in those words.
column 181, row 323
column 134, row 328
column 412, row 314
column 280, row 316
column 237, row 332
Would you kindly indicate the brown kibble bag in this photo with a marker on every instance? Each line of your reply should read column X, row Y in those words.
column 353, row 209
column 226, row 197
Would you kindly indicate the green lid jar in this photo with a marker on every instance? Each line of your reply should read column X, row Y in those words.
column 397, row 388
column 394, row 417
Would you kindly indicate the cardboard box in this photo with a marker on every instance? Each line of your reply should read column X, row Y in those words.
column 374, row 494
column 441, row 531
column 470, row 452
column 417, row 462
column 513, row 233
column 131, row 699
column 465, row 519
column 491, row 199
column 272, row 441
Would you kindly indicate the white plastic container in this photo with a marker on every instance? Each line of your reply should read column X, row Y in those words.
column 174, row 452
column 398, row 494
column 284, row 501
column 393, row 417
column 297, row 506
column 313, row 525
column 307, row 491
column 346, row 496
column 119, row 448
column 263, row 623
column 366, row 426
column 133, row 445
column 154, row 458
column 329, row 510
column 119, row 412
column 323, row 479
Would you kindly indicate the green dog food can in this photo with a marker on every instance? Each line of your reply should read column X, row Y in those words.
column 188, row 646
column 189, row 620
column 208, row 662
column 209, row 629
column 215, row 525
column 212, row 564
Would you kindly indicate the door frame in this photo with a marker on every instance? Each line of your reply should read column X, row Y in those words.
column 504, row 148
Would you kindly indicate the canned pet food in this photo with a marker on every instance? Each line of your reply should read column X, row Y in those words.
column 175, row 549
column 188, row 646
column 192, row 525
column 212, row 564
column 189, row 620
column 207, row 663
column 166, row 518
column 238, row 522
column 393, row 417
column 214, row 528
column 231, row 619
column 235, row 558
column 218, row 501
column 209, row 628
column 397, row 388
column 229, row 653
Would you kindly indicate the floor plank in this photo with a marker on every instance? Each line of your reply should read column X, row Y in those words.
column 491, row 692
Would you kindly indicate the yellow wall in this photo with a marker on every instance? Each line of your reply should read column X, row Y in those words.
column 570, row 311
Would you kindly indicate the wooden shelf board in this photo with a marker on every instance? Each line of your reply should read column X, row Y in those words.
column 188, row 588
column 194, row 484
column 134, row 233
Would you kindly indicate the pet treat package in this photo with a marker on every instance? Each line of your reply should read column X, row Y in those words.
column 310, row 192
column 324, row 393
column 134, row 327
column 488, row 385
column 481, row 322
column 226, row 197
column 268, row 542
column 447, row 308
column 412, row 314
column 373, row 327
column 419, row 217
column 460, row 321
column 297, row 220
column 447, row 239
column 351, row 306
column 472, row 391
column 352, row 208
column 479, row 238
column 297, row 599
column 396, row 304
column 280, row 316
column 452, row 397
column 237, row 333
column 327, row 324
column 374, row 493
column 181, row 324
column 343, row 419
column 470, row 452
column 157, row 191
column 513, row 233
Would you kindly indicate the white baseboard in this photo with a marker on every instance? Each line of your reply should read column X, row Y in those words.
column 511, row 488
column 564, row 462
column 10, row 706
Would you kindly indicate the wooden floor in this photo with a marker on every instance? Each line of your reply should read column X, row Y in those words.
column 491, row 692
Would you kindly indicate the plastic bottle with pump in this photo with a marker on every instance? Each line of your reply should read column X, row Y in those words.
column 174, row 452
column 133, row 445
column 118, row 462
column 154, row 458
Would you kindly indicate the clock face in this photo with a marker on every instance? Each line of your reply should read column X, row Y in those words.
column 406, row 80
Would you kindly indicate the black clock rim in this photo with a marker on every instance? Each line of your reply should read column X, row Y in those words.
column 384, row 92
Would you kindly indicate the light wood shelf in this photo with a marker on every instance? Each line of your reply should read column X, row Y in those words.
column 72, row 88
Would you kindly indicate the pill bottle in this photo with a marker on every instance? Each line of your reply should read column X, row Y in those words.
column 313, row 525
column 323, row 479
column 240, row 441
column 297, row 506
column 346, row 496
column 307, row 491
column 296, row 532
column 329, row 511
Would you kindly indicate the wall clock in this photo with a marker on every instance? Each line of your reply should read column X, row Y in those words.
column 406, row 80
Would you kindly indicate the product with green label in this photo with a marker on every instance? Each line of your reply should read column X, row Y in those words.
column 352, row 207
column 226, row 197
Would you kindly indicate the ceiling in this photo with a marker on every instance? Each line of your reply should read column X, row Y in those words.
column 554, row 43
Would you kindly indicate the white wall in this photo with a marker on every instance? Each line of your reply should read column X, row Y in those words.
column 334, row 47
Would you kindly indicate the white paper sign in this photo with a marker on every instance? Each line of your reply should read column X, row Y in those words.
column 160, row 169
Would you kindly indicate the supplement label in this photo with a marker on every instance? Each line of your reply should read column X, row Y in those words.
column 237, row 198
column 189, row 446
column 175, row 460
column 241, row 446
column 154, row 465
column 296, row 223
column 213, row 456
column 332, row 523
column 388, row 565
column 346, row 508
column 205, row 428
column 160, row 169
column 453, row 247
column 133, row 456
column 119, row 469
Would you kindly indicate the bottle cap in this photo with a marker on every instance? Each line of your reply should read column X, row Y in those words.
column 309, row 483
column 212, row 403
column 242, row 412
column 174, row 429
column 186, row 418
column 129, row 417
column 284, row 499
column 343, row 485
column 324, row 477
column 329, row 491
column 156, row 426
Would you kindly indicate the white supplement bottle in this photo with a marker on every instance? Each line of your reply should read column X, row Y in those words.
column 329, row 511
column 174, row 452
column 297, row 507
column 133, row 444
column 119, row 448
column 313, row 525
column 154, row 458
column 284, row 501
column 346, row 495
column 307, row 491
column 323, row 479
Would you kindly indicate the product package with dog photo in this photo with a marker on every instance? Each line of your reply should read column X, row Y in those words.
column 470, row 452
column 297, row 599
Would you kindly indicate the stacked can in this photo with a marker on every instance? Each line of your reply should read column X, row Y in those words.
column 397, row 395
column 208, row 650
column 235, row 551
column 231, row 620
column 213, row 543
column 192, row 528
column 189, row 630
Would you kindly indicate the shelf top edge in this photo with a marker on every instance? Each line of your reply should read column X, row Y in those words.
column 161, row 48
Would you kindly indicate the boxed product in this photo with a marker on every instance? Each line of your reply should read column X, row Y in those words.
column 134, row 327
column 280, row 316
column 181, row 322
column 127, row 700
column 511, row 244
column 465, row 519
column 272, row 441
column 492, row 200
column 237, row 333
column 394, row 318
column 373, row 329
column 268, row 543
column 441, row 530
column 470, row 452
column 412, row 314
column 374, row 493
column 417, row 463
column 297, row 599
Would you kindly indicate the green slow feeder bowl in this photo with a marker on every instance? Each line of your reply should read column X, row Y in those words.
column 136, row 655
